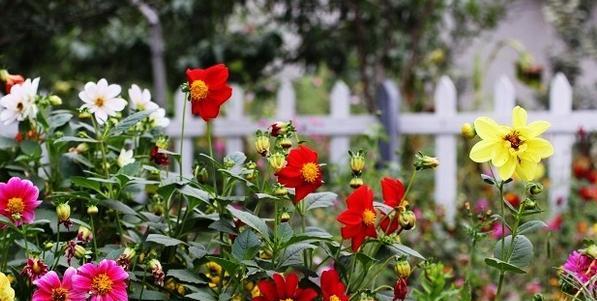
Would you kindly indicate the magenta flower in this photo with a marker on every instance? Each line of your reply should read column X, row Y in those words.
column 496, row 231
column 50, row 288
column 581, row 266
column 18, row 200
column 105, row 281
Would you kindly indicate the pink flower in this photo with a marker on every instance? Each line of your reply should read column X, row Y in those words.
column 555, row 224
column 49, row 287
column 496, row 230
column 105, row 281
column 18, row 200
column 581, row 266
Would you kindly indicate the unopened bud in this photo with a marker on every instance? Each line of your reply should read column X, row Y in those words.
column 63, row 212
column 82, row 148
column 357, row 162
column 84, row 115
column 402, row 268
column 201, row 174
column 281, row 128
column 534, row 188
column 529, row 204
column 80, row 252
column 284, row 142
column 356, row 182
column 591, row 251
column 262, row 144
column 49, row 245
column 154, row 264
column 425, row 162
column 129, row 253
column 280, row 191
column 407, row 220
column 277, row 161
column 84, row 234
column 55, row 100
column 284, row 217
column 92, row 210
column 468, row 131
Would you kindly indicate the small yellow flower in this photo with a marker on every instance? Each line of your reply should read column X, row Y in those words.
column 513, row 150
column 6, row 292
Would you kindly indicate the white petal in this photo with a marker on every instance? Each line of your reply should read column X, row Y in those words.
column 116, row 104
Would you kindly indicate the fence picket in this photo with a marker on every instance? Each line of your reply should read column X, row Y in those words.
column 340, row 109
column 234, row 112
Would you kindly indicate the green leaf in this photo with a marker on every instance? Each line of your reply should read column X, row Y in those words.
column 131, row 169
column 195, row 193
column 86, row 183
column 503, row 266
column 75, row 139
column 31, row 148
column 228, row 265
column 163, row 240
column 119, row 206
column 311, row 234
column 202, row 295
column 6, row 142
column 522, row 251
column 197, row 251
column 246, row 245
column 291, row 254
column 401, row 249
column 185, row 276
column 531, row 226
column 58, row 120
column 319, row 200
column 129, row 122
column 250, row 220
column 78, row 158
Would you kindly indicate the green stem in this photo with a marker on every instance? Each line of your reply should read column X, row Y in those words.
column 211, row 154
column 94, row 236
column 57, row 249
column 184, row 114
column 503, row 242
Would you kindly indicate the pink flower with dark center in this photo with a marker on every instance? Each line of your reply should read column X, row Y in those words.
column 105, row 281
column 50, row 288
column 581, row 266
column 18, row 200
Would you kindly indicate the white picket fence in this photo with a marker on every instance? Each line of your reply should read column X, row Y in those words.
column 444, row 124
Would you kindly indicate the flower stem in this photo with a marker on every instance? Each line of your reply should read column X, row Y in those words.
column 184, row 115
column 503, row 243
column 92, row 224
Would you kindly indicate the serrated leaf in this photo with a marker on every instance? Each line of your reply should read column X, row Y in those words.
column 163, row 240
column 522, row 251
column 129, row 122
column 250, row 220
column 503, row 266
column 319, row 200
column 185, row 276
column 246, row 245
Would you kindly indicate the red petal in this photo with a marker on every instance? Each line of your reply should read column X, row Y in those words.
column 195, row 74
column 280, row 286
column 302, row 191
column 291, row 284
column 393, row 191
column 357, row 240
column 268, row 289
column 216, row 75
column 350, row 217
column 206, row 108
column 306, row 294
column 220, row 95
column 301, row 155
column 360, row 199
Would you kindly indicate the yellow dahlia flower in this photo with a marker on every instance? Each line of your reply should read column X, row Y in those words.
column 515, row 150
column 6, row 292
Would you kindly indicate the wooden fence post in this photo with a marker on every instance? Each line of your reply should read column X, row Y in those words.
column 560, row 164
column 285, row 101
column 388, row 102
column 234, row 112
column 445, row 150
column 340, row 109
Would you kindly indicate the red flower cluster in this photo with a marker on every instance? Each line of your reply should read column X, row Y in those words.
column 302, row 172
column 208, row 90
column 280, row 288
column 332, row 287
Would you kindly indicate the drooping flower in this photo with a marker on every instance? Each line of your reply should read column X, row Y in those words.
column 580, row 265
column 50, row 288
column 280, row 288
column 208, row 90
column 157, row 272
column 393, row 191
column 302, row 172
column 158, row 118
column 513, row 150
column 103, row 281
column 20, row 103
column 332, row 287
column 400, row 289
column 158, row 157
column 359, row 217
column 18, row 200
column 102, row 100
column 34, row 268
column 140, row 100
column 7, row 293
column 10, row 80
column 125, row 157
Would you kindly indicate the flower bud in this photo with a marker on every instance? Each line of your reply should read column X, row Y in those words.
column 529, row 204
column 284, row 217
column 534, row 188
column 55, row 100
column 129, row 253
column 425, row 162
column 84, row 115
column 284, row 142
column 356, row 182
column 82, row 148
column 84, row 234
column 468, row 131
column 357, row 162
column 538, row 297
column 162, row 142
column 281, row 128
column 265, row 254
column 154, row 264
column 201, row 174
column 280, row 191
column 407, row 220
column 63, row 212
column 92, row 210
column 402, row 268
column 49, row 245
column 262, row 144
column 591, row 251
column 80, row 252
column 277, row 161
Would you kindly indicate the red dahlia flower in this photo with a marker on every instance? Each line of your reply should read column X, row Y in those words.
column 400, row 290
column 332, row 287
column 393, row 195
column 359, row 217
column 284, row 289
column 208, row 90
column 302, row 172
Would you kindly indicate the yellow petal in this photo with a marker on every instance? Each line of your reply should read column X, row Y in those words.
column 483, row 151
column 540, row 147
column 519, row 117
column 535, row 129
column 506, row 170
column 487, row 129
column 527, row 170
column 500, row 156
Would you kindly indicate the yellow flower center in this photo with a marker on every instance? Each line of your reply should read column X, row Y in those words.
column 310, row 171
column 334, row 298
column 514, row 139
column 287, row 299
column 59, row 294
column 199, row 90
column 368, row 217
column 15, row 206
column 100, row 101
column 101, row 284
